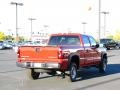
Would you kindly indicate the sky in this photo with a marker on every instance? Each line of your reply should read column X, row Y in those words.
column 60, row 16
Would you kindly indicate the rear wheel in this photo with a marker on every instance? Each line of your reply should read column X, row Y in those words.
column 103, row 65
column 32, row 74
column 73, row 72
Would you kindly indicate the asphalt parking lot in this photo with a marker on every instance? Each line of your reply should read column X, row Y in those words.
column 15, row 78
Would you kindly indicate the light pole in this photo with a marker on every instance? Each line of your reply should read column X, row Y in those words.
column 9, row 32
column 16, row 4
column 46, row 30
column 99, row 21
column 84, row 23
column 31, row 20
column 105, row 22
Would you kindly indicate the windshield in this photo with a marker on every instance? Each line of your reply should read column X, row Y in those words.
column 64, row 40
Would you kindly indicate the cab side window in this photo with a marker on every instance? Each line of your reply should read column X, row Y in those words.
column 92, row 41
column 86, row 40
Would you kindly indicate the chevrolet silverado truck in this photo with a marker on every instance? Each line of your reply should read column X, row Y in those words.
column 66, row 52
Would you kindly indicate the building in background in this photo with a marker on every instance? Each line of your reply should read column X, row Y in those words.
column 40, row 36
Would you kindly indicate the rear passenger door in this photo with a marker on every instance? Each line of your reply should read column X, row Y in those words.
column 88, row 56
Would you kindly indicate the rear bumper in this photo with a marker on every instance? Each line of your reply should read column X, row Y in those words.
column 38, row 65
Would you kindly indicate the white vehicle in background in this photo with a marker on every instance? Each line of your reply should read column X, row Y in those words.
column 25, row 43
column 119, row 44
column 15, row 48
column 28, row 43
column 16, row 45
column 8, row 44
column 102, row 48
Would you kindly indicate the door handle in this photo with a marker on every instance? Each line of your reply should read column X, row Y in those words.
column 87, row 50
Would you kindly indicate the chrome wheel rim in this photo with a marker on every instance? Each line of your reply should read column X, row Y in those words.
column 73, row 72
column 104, row 66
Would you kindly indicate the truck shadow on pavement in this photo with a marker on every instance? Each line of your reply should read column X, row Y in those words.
column 93, row 73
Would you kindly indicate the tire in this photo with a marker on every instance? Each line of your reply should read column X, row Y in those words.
column 73, row 72
column 32, row 75
column 117, row 47
column 108, row 48
column 103, row 65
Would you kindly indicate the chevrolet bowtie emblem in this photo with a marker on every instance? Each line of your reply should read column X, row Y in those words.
column 37, row 49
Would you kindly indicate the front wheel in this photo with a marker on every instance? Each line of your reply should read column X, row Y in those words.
column 117, row 47
column 103, row 65
column 108, row 48
column 73, row 72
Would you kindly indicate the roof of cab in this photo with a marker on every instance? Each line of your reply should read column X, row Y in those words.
column 59, row 34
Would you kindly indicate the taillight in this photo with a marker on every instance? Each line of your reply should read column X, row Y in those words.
column 18, row 53
column 63, row 54
column 60, row 56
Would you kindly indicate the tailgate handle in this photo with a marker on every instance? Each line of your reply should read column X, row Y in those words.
column 37, row 49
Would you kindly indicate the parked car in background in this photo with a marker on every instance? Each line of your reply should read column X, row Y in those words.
column 1, row 45
column 16, row 45
column 109, row 43
column 102, row 48
column 8, row 44
column 119, row 44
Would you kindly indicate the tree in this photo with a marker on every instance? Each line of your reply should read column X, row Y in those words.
column 117, row 36
column 110, row 36
column 9, row 37
column 21, row 39
column 2, row 36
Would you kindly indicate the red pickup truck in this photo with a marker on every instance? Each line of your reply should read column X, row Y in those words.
column 64, row 52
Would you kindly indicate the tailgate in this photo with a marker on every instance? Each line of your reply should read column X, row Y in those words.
column 39, row 53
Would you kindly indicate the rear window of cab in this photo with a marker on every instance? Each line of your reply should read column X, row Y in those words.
column 64, row 40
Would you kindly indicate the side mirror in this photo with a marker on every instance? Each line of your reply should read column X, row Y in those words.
column 97, row 45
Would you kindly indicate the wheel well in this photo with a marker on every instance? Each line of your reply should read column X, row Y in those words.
column 104, row 56
column 75, row 59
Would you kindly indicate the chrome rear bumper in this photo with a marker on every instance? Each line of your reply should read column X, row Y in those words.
column 38, row 65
